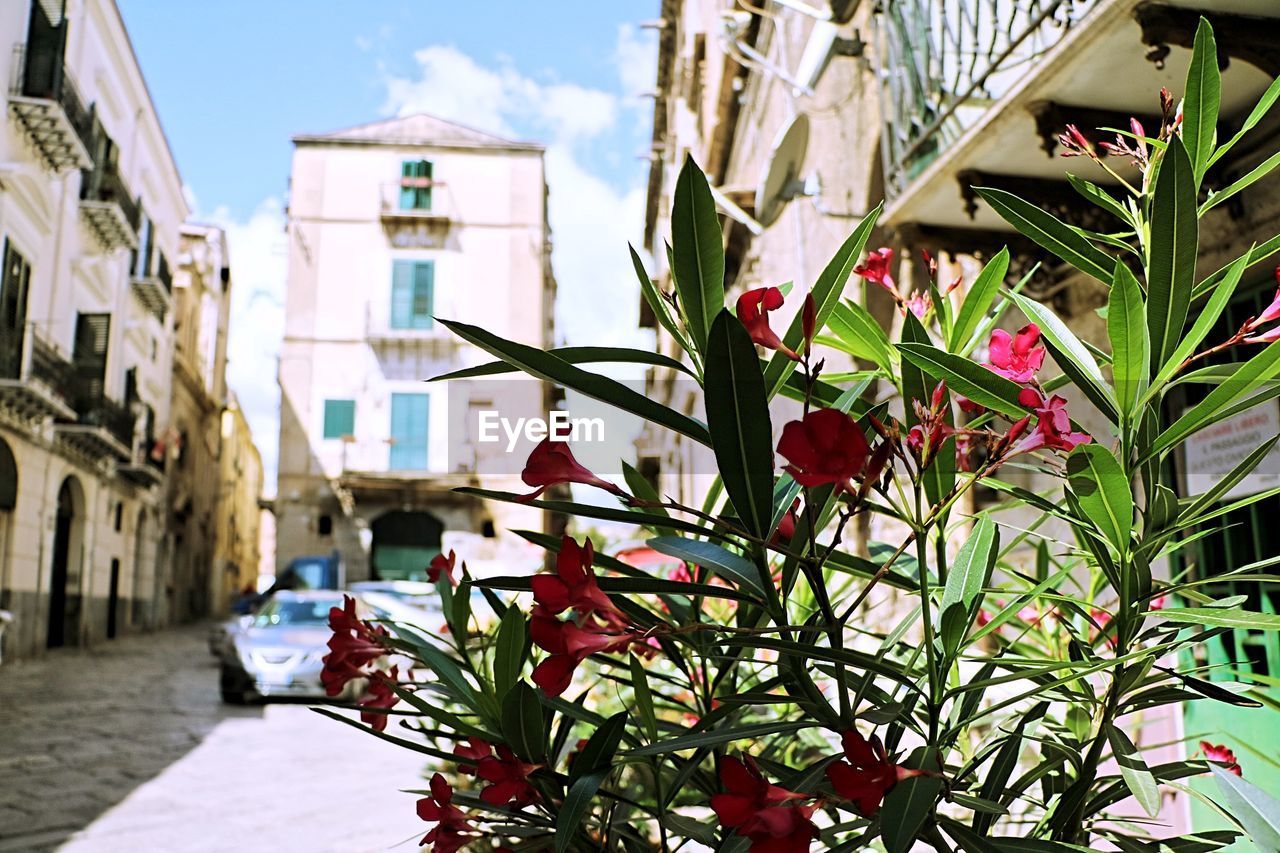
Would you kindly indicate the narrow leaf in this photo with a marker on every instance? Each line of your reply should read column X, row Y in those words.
column 1130, row 346
column 1257, row 811
column 523, row 724
column 977, row 302
column 1134, row 771
column 1049, row 232
column 1102, row 488
column 1201, row 99
column 1172, row 265
column 698, row 251
column 964, row 377
column 728, row 565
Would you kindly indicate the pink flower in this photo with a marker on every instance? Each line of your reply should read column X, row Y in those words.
column 753, row 310
column 1221, row 755
column 551, row 463
column 1016, row 357
column 442, row 565
column 919, row 304
column 1053, row 428
column 876, row 268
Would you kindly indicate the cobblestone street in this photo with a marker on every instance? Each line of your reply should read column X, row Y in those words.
column 128, row 748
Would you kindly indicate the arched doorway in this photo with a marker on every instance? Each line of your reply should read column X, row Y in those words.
column 64, row 583
column 403, row 544
column 8, row 500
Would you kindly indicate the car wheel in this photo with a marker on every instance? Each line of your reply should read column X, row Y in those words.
column 231, row 687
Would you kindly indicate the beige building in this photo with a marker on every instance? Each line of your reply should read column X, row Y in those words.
column 392, row 224
column 90, row 207
column 237, row 560
column 913, row 103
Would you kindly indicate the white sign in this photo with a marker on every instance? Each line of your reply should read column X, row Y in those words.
column 1211, row 453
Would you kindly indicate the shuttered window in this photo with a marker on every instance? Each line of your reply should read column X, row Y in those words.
column 93, row 334
column 410, row 414
column 412, row 294
column 339, row 418
column 415, row 185
column 14, row 281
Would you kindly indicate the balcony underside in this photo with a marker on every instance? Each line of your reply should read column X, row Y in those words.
column 405, row 488
column 410, row 229
column 140, row 476
column 108, row 224
column 92, row 442
column 1108, row 65
column 152, row 295
column 28, row 400
column 50, row 133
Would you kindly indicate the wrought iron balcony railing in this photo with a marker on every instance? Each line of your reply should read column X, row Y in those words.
column 35, row 380
column 45, row 100
column 95, row 409
column 108, row 208
column 943, row 63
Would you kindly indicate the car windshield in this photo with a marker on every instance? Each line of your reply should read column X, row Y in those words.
column 311, row 611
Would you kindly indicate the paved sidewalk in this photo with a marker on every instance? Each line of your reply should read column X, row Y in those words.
column 128, row 748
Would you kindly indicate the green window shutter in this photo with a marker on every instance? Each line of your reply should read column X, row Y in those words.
column 410, row 414
column 415, row 185
column 424, row 275
column 402, row 287
column 339, row 418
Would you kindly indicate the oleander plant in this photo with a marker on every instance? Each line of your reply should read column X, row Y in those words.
column 762, row 695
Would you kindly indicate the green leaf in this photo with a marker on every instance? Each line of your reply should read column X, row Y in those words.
column 573, row 811
column 1130, row 346
column 940, row 477
column 1049, row 232
column 1171, row 269
column 860, row 332
column 1134, row 771
column 1201, row 99
column 970, row 572
column 698, row 252
column 1257, row 254
column 1071, row 355
column 523, row 725
column 964, row 377
column 1256, row 810
column 907, row 806
column 659, row 305
column 977, row 302
column 738, row 419
column 644, row 698
column 1102, row 488
column 1101, row 198
column 543, row 365
column 716, row 737
column 509, row 650
column 573, row 355
column 826, row 294
column 1255, row 174
column 728, row 565
column 1264, row 105
column 1217, row 617
column 1253, row 373
column 1205, row 320
column 597, row 752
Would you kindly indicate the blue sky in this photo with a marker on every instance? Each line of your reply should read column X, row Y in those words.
column 235, row 79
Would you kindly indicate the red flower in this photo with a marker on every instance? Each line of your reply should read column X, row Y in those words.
column 1053, row 428
column 382, row 695
column 970, row 407
column 827, row 446
column 452, row 831
column 765, row 813
column 474, row 750
column 868, row 775
column 442, row 565
column 787, row 526
column 569, row 645
column 1016, row 357
column 574, row 584
column 509, row 778
column 753, row 310
column 876, row 268
column 355, row 644
column 551, row 463
column 1221, row 755
column 809, row 320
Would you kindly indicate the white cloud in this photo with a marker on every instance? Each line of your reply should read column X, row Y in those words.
column 636, row 56
column 257, row 248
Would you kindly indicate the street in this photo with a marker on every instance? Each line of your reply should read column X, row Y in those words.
column 128, row 748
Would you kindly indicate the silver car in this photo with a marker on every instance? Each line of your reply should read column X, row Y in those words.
column 280, row 650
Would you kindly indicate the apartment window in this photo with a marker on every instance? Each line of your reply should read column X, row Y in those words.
column 412, row 294
column 14, row 280
column 415, row 185
column 89, row 357
column 339, row 418
column 140, row 262
column 409, row 416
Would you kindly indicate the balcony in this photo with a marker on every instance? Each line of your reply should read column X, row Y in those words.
column 107, row 208
column 35, row 381
column 416, row 213
column 436, row 343
column 46, row 105
column 154, row 290
column 144, row 470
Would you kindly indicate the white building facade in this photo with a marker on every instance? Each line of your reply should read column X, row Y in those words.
column 90, row 207
column 392, row 225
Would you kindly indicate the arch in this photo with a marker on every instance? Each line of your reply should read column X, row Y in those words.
column 8, row 478
column 404, row 541
column 64, row 580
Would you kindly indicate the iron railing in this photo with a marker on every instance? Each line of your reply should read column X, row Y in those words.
column 943, row 63
column 94, row 408
column 105, row 184
column 40, row 73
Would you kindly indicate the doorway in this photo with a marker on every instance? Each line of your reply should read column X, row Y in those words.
column 64, row 583
column 113, row 599
column 404, row 543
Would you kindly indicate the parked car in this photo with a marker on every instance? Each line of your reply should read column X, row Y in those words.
column 222, row 635
column 280, row 651
column 414, row 593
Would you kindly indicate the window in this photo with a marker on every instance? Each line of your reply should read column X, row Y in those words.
column 415, row 185
column 140, row 261
column 412, row 294
column 89, row 357
column 409, row 416
column 14, row 280
column 339, row 418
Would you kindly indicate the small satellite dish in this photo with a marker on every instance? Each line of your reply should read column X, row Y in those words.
column 782, row 181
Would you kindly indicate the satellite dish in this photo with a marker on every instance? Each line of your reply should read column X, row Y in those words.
column 782, row 181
